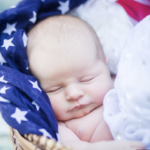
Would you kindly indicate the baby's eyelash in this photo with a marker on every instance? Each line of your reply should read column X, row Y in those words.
column 87, row 80
column 51, row 91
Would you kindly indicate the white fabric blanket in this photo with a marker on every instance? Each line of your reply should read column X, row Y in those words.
column 127, row 106
column 111, row 26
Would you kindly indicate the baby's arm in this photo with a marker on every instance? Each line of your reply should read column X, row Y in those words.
column 101, row 132
column 68, row 138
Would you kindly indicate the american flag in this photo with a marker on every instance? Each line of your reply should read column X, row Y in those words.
column 136, row 9
column 23, row 104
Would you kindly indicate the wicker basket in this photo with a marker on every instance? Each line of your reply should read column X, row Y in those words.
column 34, row 142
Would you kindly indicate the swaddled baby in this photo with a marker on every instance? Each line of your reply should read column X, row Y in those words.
column 66, row 57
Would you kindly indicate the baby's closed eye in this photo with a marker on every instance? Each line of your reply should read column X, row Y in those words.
column 87, row 79
column 55, row 89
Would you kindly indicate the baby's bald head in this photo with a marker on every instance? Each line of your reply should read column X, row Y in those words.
column 59, row 35
column 59, row 30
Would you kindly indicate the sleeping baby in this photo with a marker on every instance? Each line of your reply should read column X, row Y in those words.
column 66, row 57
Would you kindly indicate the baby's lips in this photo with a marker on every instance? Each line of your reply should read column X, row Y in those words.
column 78, row 106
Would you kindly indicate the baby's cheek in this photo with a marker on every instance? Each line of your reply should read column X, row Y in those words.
column 95, row 94
column 55, row 102
column 60, row 107
column 98, row 92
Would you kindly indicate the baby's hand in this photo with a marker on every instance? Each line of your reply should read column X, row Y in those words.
column 116, row 145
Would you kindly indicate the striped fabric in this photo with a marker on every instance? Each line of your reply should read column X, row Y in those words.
column 137, row 9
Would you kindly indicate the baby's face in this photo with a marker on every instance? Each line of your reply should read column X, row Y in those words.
column 74, row 79
column 65, row 56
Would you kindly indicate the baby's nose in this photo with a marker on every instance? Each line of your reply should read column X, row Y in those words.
column 74, row 92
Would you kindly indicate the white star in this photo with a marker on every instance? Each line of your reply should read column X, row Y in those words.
column 35, row 85
column 7, row 43
column 45, row 133
column 33, row 19
column 3, row 90
column 2, row 60
column 25, row 39
column 4, row 100
column 10, row 28
column 19, row 115
column 36, row 105
column 43, row 0
column 2, row 79
column 64, row 6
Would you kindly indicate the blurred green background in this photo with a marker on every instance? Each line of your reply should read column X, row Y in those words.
column 5, row 4
column 5, row 143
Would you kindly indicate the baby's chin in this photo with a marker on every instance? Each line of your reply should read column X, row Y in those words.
column 79, row 113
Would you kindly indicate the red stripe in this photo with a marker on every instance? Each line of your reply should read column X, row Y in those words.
column 135, row 9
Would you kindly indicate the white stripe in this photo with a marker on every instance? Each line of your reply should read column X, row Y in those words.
column 145, row 2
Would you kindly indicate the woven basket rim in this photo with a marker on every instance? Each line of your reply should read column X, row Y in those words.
column 20, row 142
column 34, row 142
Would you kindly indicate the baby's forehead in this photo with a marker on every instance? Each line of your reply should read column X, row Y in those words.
column 59, row 31
column 60, row 35
column 60, row 26
column 62, row 22
column 63, row 25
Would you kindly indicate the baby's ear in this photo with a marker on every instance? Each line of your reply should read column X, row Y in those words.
column 106, row 60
